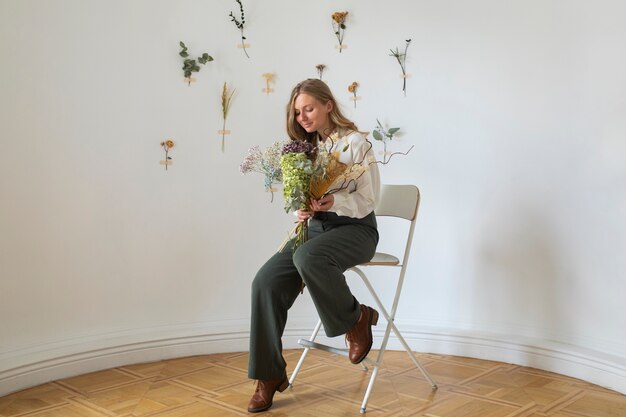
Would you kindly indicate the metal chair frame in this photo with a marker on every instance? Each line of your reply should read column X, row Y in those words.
column 399, row 201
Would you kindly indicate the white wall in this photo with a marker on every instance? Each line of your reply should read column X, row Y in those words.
column 516, row 110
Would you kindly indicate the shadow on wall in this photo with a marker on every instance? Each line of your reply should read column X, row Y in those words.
column 518, row 283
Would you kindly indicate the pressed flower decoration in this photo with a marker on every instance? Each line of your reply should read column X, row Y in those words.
column 401, row 57
column 267, row 163
column 269, row 78
column 167, row 145
column 339, row 26
column 320, row 70
column 240, row 23
column 352, row 89
column 227, row 97
column 190, row 65
column 384, row 135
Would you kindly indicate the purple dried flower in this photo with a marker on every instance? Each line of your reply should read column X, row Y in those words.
column 298, row 146
column 249, row 162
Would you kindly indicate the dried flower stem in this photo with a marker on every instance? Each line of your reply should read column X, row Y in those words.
column 352, row 89
column 320, row 70
column 339, row 26
column 383, row 135
column 351, row 180
column 269, row 77
column 240, row 25
column 167, row 145
column 226, row 99
column 401, row 57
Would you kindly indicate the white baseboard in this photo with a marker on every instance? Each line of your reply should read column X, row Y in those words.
column 61, row 361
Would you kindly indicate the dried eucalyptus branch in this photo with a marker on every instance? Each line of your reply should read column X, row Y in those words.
column 381, row 134
column 190, row 65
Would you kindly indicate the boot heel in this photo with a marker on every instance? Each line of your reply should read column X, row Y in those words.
column 283, row 386
column 374, row 314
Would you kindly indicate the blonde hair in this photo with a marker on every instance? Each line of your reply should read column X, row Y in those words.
column 319, row 91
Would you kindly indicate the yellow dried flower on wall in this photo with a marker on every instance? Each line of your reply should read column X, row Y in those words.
column 352, row 89
column 269, row 78
column 339, row 26
column 340, row 17
column 167, row 145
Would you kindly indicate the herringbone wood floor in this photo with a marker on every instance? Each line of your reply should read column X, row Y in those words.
column 328, row 385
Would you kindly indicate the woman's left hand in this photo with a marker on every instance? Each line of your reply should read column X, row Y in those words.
column 323, row 204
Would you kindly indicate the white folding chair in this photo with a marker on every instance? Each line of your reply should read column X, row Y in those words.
column 399, row 201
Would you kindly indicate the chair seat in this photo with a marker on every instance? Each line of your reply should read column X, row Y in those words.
column 381, row 258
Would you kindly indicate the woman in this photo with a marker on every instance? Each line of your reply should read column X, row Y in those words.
column 342, row 234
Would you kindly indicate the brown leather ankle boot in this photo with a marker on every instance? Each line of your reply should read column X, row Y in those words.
column 264, row 394
column 359, row 338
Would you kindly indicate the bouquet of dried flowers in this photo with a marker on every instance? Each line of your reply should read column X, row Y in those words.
column 297, row 169
column 309, row 173
column 267, row 163
column 326, row 170
column 340, row 175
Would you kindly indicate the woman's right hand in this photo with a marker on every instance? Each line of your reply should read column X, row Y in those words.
column 304, row 215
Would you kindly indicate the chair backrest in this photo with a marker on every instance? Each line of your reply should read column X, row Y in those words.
column 398, row 201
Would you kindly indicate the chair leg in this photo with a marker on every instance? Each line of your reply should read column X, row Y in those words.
column 368, row 391
column 304, row 354
column 379, row 361
column 413, row 358
column 390, row 320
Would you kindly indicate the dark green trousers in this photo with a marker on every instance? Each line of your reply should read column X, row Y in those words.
column 335, row 244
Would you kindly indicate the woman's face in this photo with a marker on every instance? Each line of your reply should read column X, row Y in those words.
column 312, row 114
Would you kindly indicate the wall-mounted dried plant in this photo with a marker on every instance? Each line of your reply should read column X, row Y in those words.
column 352, row 89
column 227, row 97
column 401, row 57
column 269, row 78
column 167, row 145
column 320, row 70
column 190, row 65
column 383, row 135
column 240, row 23
column 339, row 26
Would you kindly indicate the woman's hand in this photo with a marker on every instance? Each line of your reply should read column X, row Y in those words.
column 304, row 215
column 323, row 204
